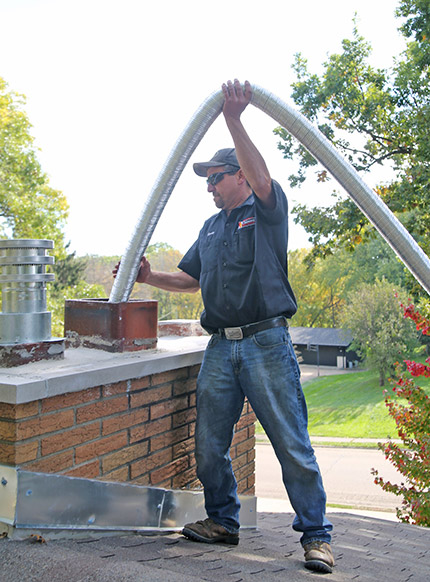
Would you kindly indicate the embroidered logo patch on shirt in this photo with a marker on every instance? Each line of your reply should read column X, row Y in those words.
column 246, row 222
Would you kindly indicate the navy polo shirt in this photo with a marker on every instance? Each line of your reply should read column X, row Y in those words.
column 240, row 261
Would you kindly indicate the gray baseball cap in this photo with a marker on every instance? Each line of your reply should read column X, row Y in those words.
column 225, row 157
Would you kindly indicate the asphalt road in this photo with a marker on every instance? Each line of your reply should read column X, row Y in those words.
column 346, row 474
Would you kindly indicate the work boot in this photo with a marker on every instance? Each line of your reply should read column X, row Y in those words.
column 209, row 532
column 319, row 557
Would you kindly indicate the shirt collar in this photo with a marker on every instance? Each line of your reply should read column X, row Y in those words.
column 248, row 202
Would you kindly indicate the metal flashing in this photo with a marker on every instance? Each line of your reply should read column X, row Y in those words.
column 44, row 501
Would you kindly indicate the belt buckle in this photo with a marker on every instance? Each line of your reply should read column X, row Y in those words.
column 233, row 333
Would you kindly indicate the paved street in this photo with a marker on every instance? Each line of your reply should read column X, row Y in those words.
column 346, row 471
column 346, row 474
column 311, row 372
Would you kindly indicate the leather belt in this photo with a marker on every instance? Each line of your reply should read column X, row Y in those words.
column 238, row 333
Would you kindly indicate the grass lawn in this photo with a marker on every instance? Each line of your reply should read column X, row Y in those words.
column 350, row 405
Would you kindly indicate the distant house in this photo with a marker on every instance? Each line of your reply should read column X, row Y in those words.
column 325, row 346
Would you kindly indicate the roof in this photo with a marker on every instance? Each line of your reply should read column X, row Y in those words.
column 366, row 549
column 322, row 336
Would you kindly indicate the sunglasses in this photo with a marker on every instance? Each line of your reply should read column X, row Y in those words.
column 214, row 179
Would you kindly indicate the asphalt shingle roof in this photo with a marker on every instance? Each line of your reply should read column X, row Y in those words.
column 366, row 549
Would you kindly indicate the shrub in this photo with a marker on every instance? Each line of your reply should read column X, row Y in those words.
column 409, row 406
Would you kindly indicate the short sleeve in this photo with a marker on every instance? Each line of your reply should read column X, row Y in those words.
column 190, row 263
column 277, row 214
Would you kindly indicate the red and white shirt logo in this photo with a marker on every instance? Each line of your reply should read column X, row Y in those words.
column 246, row 222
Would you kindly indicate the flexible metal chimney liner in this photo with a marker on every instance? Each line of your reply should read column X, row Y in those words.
column 314, row 141
column 163, row 187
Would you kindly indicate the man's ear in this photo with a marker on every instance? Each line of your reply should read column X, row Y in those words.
column 240, row 176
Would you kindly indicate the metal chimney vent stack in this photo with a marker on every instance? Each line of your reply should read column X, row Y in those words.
column 23, row 277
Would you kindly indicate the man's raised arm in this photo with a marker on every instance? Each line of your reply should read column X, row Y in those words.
column 250, row 159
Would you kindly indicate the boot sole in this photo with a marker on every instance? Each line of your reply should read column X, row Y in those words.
column 319, row 566
column 195, row 537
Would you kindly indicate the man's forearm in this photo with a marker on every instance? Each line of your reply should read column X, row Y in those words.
column 179, row 282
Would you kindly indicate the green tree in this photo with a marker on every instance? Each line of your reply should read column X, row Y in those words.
column 374, row 117
column 98, row 271
column 318, row 287
column 29, row 207
column 69, row 284
column 381, row 334
column 371, row 262
column 322, row 285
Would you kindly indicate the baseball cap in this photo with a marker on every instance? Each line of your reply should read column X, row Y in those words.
column 224, row 157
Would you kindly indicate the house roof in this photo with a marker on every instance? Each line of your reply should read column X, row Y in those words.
column 321, row 336
column 269, row 554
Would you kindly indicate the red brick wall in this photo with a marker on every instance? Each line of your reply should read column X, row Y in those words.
column 140, row 430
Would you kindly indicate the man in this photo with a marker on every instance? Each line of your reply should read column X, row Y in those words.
column 240, row 263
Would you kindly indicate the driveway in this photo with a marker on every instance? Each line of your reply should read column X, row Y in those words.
column 311, row 372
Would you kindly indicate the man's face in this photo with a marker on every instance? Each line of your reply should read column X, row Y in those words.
column 226, row 192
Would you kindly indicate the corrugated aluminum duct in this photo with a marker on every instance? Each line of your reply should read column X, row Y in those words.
column 314, row 141
column 160, row 193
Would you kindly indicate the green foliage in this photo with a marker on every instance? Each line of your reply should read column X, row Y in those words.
column 319, row 288
column 68, row 271
column 322, row 286
column 351, row 97
column 374, row 117
column 98, row 271
column 29, row 207
column 381, row 334
column 409, row 406
column 57, row 297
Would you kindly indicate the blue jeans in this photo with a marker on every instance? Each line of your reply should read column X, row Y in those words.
column 262, row 367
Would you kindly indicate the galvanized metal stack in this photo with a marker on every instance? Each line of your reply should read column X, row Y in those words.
column 24, row 319
column 23, row 278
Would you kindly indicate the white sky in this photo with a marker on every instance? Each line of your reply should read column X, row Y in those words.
column 110, row 85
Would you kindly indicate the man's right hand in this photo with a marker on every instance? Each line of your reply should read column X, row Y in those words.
column 178, row 281
column 143, row 273
column 144, row 270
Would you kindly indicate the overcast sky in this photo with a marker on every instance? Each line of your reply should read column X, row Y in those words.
column 110, row 85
